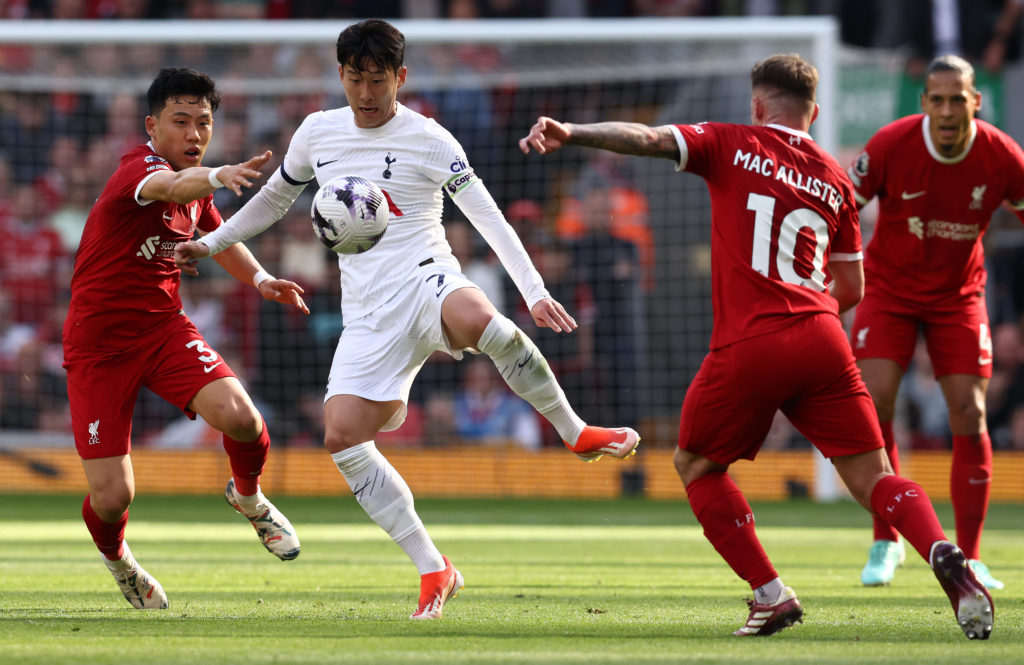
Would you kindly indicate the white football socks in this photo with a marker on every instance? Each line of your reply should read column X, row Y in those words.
column 769, row 594
column 527, row 373
column 251, row 504
column 386, row 498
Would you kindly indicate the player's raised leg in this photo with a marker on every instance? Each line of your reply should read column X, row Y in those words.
column 471, row 321
column 350, row 423
column 226, row 406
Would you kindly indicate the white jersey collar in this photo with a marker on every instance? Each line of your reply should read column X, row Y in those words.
column 934, row 152
column 790, row 130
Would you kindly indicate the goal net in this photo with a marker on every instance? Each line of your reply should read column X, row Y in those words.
column 72, row 100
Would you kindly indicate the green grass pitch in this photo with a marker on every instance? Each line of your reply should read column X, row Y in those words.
column 629, row 581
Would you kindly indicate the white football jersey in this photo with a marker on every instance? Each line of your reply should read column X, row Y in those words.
column 412, row 159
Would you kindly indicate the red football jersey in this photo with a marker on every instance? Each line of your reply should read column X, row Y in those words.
column 780, row 208
column 933, row 210
column 125, row 282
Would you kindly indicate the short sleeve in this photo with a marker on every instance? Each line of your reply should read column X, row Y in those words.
column 868, row 169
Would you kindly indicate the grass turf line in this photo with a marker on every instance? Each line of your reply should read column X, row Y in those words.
column 628, row 581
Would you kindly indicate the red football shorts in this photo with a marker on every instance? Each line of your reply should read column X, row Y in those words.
column 959, row 340
column 806, row 370
column 174, row 362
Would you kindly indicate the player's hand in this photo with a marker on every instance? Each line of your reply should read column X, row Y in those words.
column 546, row 135
column 237, row 176
column 549, row 313
column 284, row 292
column 187, row 253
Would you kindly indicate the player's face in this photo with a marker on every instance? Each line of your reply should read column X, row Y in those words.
column 372, row 93
column 182, row 131
column 950, row 105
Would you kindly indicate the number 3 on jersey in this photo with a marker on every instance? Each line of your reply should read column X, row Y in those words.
column 800, row 223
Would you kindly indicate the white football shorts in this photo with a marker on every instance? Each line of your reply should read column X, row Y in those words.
column 380, row 354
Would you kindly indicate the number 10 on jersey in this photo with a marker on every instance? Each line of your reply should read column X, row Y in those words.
column 790, row 231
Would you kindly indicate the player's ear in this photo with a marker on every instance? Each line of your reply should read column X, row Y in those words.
column 402, row 72
column 150, row 125
column 814, row 113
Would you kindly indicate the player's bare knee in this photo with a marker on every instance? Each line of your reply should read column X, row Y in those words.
column 690, row 466
column 243, row 425
column 341, row 438
column 109, row 503
column 967, row 417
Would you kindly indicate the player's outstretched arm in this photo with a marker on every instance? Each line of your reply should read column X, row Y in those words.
column 549, row 313
column 196, row 182
column 237, row 176
column 628, row 138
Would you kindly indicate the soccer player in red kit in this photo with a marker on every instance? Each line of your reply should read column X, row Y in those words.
column 784, row 226
column 938, row 177
column 126, row 329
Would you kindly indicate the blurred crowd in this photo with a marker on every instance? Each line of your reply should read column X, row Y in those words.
column 588, row 224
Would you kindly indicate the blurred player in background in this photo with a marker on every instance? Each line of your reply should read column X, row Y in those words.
column 938, row 176
column 407, row 298
column 782, row 215
column 126, row 329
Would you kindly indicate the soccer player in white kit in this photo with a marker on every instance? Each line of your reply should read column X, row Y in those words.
column 407, row 297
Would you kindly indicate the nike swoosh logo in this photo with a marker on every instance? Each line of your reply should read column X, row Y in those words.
column 906, row 197
column 210, row 368
column 320, row 164
column 979, row 481
column 168, row 217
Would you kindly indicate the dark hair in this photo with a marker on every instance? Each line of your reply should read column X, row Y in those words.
column 371, row 42
column 178, row 82
column 951, row 63
column 789, row 74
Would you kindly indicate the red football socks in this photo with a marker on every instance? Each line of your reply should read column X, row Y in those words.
column 109, row 538
column 904, row 504
column 247, row 461
column 881, row 528
column 728, row 523
column 970, row 481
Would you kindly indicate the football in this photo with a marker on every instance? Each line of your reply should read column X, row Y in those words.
column 350, row 214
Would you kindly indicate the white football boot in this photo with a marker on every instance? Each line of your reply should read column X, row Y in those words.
column 139, row 587
column 275, row 531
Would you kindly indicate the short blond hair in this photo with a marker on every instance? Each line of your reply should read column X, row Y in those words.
column 786, row 75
